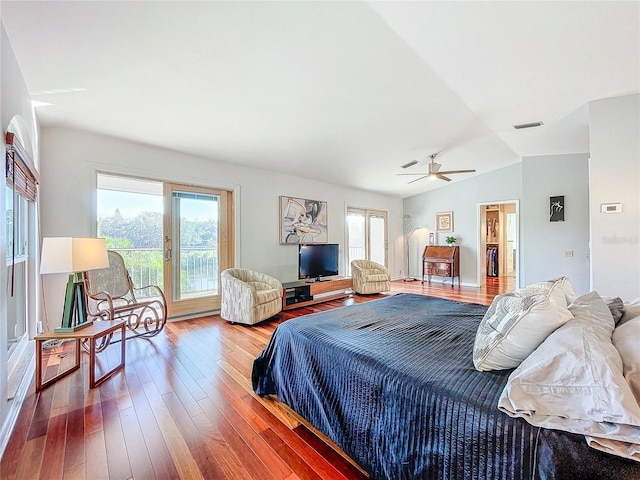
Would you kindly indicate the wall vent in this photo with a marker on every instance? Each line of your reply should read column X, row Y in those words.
column 528, row 125
column 410, row 164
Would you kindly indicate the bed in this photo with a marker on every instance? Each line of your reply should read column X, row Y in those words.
column 392, row 383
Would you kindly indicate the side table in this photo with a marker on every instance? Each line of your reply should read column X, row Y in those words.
column 92, row 333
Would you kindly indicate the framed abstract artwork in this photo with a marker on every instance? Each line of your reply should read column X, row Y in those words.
column 302, row 221
column 556, row 208
column 444, row 222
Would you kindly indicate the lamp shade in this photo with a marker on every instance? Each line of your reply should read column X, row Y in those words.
column 71, row 254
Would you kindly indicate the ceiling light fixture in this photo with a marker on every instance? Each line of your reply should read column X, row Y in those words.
column 528, row 125
column 37, row 103
column 57, row 91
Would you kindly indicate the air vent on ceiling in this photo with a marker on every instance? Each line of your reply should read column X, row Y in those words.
column 528, row 125
column 410, row 164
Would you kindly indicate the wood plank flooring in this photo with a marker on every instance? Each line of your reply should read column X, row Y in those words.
column 183, row 408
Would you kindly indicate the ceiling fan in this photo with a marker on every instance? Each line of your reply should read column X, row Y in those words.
column 434, row 171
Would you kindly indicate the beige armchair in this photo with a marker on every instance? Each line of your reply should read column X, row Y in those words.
column 249, row 297
column 370, row 277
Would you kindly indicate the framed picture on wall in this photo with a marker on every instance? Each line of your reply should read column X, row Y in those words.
column 444, row 222
column 302, row 221
column 556, row 209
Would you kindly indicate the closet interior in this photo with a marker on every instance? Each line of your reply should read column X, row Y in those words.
column 499, row 240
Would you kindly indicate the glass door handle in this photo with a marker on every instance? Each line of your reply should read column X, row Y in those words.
column 167, row 254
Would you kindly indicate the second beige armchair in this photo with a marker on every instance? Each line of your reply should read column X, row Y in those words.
column 249, row 297
column 370, row 277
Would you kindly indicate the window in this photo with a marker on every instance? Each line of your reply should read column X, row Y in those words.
column 130, row 215
column 21, row 179
column 17, row 210
column 366, row 236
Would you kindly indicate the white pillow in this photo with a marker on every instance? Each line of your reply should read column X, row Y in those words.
column 517, row 322
column 569, row 295
column 573, row 381
column 626, row 338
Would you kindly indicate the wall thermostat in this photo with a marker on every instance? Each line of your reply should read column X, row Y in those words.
column 610, row 207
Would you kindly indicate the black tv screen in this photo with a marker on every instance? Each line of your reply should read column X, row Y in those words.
column 317, row 260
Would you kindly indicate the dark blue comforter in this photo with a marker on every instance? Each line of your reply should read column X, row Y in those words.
column 392, row 383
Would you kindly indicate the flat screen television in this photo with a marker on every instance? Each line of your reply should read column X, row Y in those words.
column 317, row 260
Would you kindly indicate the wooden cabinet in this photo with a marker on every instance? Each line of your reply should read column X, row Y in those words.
column 300, row 294
column 441, row 262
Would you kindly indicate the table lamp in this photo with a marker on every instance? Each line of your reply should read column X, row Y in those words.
column 73, row 256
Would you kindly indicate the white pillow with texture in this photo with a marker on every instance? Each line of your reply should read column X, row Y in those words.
column 517, row 322
column 569, row 295
column 626, row 339
column 574, row 382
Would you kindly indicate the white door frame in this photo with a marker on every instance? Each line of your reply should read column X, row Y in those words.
column 481, row 244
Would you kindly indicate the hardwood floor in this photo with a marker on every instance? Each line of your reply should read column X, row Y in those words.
column 183, row 408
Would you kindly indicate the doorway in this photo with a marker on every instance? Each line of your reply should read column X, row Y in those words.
column 196, row 247
column 498, row 243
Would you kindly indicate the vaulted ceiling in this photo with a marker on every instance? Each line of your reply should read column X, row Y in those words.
column 342, row 92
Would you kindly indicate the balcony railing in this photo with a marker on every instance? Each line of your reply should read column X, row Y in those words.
column 198, row 269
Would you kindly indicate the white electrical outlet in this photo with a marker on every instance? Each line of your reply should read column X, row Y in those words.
column 611, row 207
column 568, row 253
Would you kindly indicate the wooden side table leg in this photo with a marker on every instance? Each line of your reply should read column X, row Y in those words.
column 39, row 343
column 92, row 362
column 40, row 384
column 93, row 382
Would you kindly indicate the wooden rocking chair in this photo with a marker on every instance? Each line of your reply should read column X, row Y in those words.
column 111, row 295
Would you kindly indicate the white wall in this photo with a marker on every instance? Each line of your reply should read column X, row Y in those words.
column 613, row 176
column 70, row 159
column 543, row 242
column 614, row 170
column 462, row 198
column 14, row 101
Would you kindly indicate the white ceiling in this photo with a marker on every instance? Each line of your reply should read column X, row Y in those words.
column 342, row 92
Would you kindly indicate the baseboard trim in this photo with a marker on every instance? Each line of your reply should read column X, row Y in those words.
column 16, row 405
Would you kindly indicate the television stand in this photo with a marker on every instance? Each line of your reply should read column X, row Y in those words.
column 319, row 279
column 303, row 293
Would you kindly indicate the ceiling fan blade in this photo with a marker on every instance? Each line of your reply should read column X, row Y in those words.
column 434, row 171
column 426, row 176
column 448, row 172
column 442, row 177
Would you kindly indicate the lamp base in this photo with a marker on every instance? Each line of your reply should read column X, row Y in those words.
column 73, row 328
column 74, row 314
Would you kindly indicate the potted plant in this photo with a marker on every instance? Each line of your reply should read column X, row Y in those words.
column 450, row 241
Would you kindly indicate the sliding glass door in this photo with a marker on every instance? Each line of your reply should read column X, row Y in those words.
column 178, row 237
